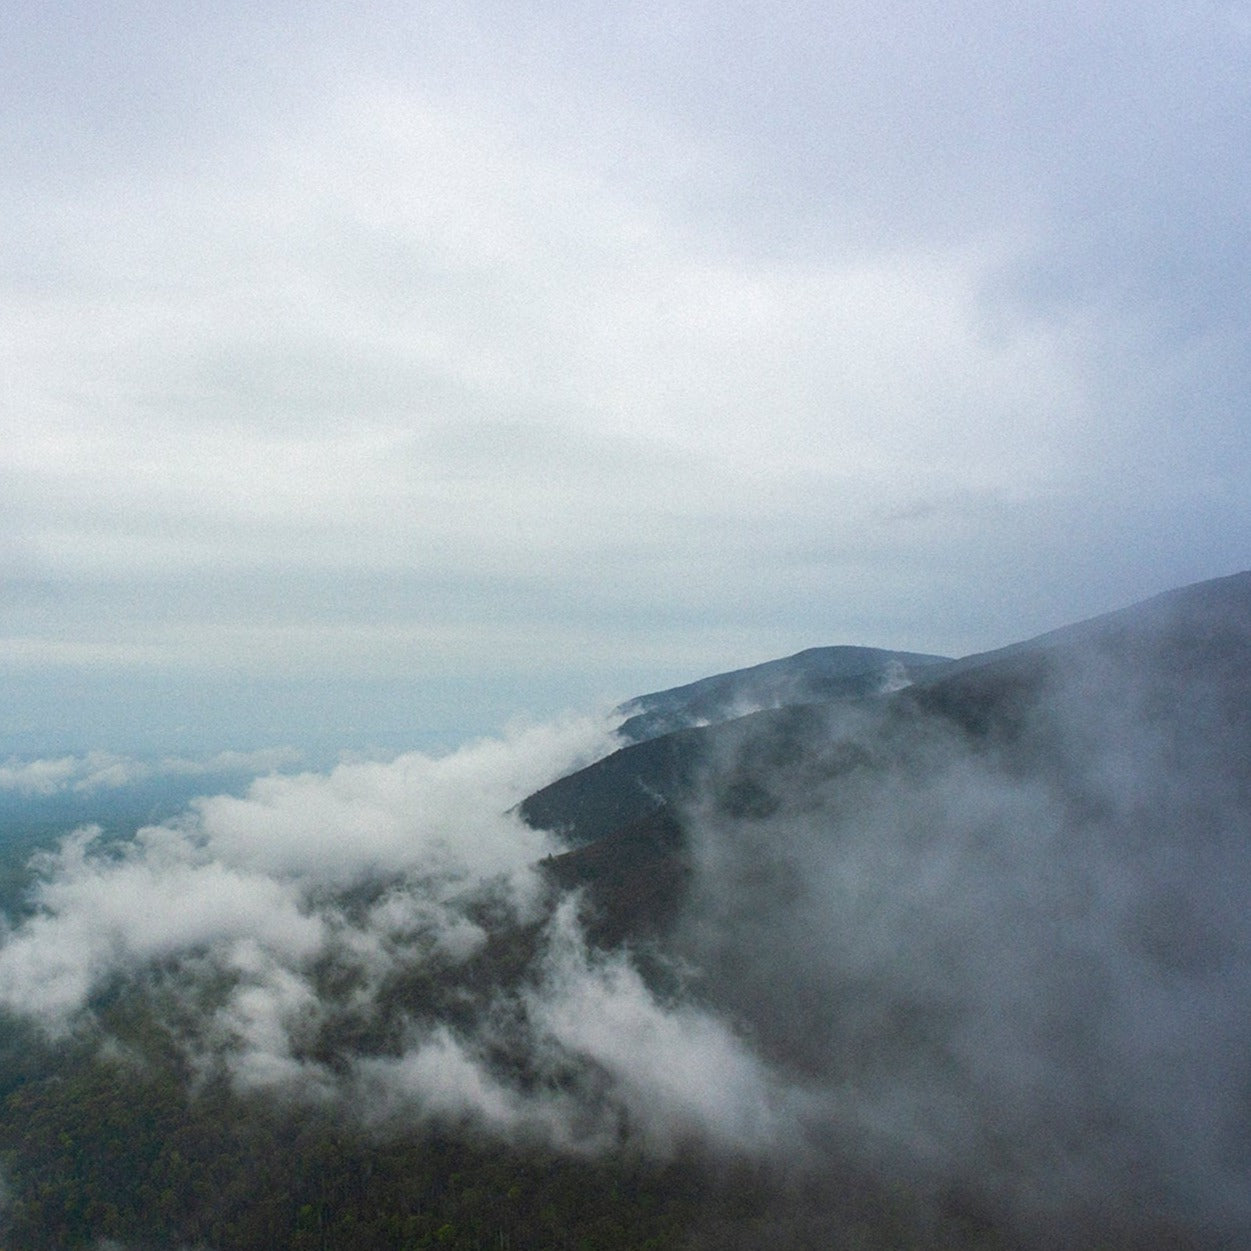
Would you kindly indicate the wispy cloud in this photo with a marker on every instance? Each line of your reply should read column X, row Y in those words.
column 386, row 871
column 104, row 771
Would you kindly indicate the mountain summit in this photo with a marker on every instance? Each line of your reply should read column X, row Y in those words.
column 819, row 673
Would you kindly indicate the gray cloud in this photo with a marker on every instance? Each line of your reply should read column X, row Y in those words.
column 616, row 323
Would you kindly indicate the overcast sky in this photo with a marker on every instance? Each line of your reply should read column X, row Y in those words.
column 401, row 371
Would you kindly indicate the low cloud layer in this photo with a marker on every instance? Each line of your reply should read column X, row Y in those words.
column 265, row 924
column 989, row 942
column 105, row 771
column 255, row 870
column 609, row 1063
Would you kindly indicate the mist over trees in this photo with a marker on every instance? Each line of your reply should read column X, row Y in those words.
column 910, row 954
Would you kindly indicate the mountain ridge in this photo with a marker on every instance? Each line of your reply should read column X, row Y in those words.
column 807, row 676
column 639, row 780
column 962, row 964
column 634, row 800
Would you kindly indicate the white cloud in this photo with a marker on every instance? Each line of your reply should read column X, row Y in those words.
column 382, row 871
column 443, row 815
column 679, row 1072
column 99, row 913
column 38, row 777
column 256, row 870
column 264, row 1016
column 439, row 1079
column 613, row 1063
column 103, row 771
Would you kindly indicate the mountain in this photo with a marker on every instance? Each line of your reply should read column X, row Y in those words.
column 1211, row 614
column 819, row 673
column 664, row 745
column 855, row 948
column 994, row 921
column 1161, row 658
column 1199, row 631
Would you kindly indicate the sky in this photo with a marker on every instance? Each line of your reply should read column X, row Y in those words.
column 373, row 380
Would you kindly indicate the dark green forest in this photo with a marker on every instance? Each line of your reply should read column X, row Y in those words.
column 121, row 1145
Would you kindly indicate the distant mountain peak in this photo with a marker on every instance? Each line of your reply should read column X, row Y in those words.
column 814, row 675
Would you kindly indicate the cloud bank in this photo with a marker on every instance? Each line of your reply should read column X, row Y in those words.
column 267, row 925
column 984, row 940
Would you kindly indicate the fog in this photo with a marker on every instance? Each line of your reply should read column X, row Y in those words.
column 987, row 941
column 1013, row 962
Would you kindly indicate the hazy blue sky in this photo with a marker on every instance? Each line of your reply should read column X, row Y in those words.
column 397, row 371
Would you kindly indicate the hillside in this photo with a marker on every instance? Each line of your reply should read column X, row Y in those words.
column 1030, row 861
column 960, row 962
